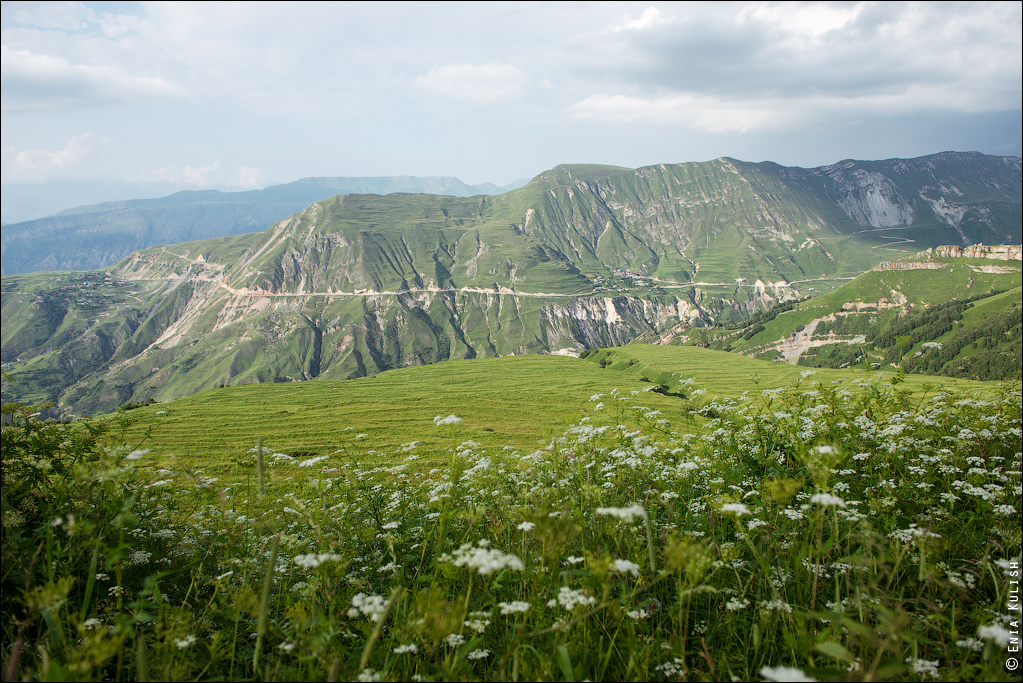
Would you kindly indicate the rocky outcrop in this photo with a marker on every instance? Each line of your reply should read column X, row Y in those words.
column 1000, row 252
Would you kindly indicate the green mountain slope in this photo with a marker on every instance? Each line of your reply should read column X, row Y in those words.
column 580, row 257
column 939, row 312
column 90, row 237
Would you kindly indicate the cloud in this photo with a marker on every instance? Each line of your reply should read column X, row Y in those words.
column 249, row 178
column 189, row 175
column 44, row 81
column 704, row 113
column 484, row 83
column 651, row 17
column 39, row 165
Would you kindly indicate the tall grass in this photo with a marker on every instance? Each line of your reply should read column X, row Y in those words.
column 839, row 531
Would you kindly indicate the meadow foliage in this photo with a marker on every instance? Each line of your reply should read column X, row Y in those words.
column 844, row 530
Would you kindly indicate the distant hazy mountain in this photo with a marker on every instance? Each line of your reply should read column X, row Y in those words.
column 93, row 236
column 582, row 256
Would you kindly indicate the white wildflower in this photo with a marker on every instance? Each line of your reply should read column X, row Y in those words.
column 625, row 514
column 478, row 654
column 737, row 509
column 997, row 633
column 785, row 673
column 827, row 500
column 513, row 607
column 449, row 420
column 570, row 599
column 370, row 605
column 411, row 648
column 923, row 666
column 736, row 604
column 625, row 567
column 454, row 640
column 187, row 641
column 525, row 526
column 313, row 561
column 484, row 559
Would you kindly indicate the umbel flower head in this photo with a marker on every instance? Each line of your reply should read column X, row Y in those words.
column 483, row 558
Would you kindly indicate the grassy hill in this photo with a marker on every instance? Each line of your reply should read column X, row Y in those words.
column 521, row 402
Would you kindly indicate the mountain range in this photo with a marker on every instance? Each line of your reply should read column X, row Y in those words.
column 95, row 236
column 582, row 256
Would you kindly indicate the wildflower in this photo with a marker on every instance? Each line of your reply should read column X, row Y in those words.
column 923, row 666
column 477, row 625
column 827, row 500
column 625, row 514
column 369, row 676
column 370, row 605
column 570, row 599
column 136, row 455
column 390, row 525
column 411, row 648
column 92, row 623
column 313, row 561
column 312, row 461
column 737, row 509
column 995, row 632
column 784, row 673
column 736, row 604
column 637, row 614
column 449, row 420
column 224, row 576
column 486, row 560
column 671, row 669
column 572, row 559
column 525, row 526
column 776, row 605
column 513, row 607
column 187, row 641
column 478, row 654
column 454, row 640
column 971, row 644
column 625, row 567
column 807, row 373
column 286, row 646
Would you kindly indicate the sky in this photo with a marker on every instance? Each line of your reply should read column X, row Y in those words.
column 240, row 96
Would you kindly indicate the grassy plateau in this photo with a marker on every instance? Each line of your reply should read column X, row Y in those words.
column 643, row 513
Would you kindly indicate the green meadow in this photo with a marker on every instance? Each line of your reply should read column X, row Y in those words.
column 643, row 513
column 519, row 401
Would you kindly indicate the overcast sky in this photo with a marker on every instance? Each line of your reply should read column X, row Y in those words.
column 244, row 95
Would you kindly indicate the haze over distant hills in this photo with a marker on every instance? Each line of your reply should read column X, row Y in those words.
column 580, row 257
column 97, row 235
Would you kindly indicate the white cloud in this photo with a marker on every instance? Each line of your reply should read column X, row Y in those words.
column 701, row 112
column 249, row 178
column 32, row 80
column 38, row 164
column 650, row 18
column 189, row 175
column 479, row 83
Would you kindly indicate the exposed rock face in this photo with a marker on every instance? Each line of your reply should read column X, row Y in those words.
column 1001, row 252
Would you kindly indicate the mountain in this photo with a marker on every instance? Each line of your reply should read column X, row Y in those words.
column 580, row 257
column 90, row 237
column 948, row 311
